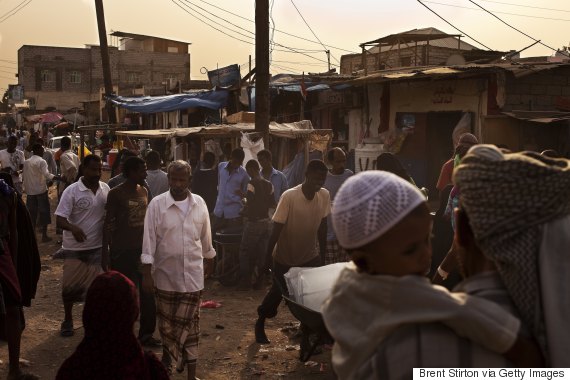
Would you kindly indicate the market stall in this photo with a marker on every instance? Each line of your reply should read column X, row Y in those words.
column 286, row 139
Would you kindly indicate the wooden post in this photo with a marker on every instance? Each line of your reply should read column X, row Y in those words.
column 307, row 143
column 105, row 59
column 262, row 68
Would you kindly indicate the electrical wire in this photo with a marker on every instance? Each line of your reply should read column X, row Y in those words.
column 14, row 10
column 518, row 30
column 527, row 6
column 291, row 70
column 277, row 30
column 302, row 63
column 7, row 72
column 213, row 27
column 453, row 26
column 7, row 61
column 505, row 13
column 252, row 34
column 296, row 50
column 312, row 31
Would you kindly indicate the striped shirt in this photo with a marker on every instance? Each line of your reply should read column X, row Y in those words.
column 432, row 345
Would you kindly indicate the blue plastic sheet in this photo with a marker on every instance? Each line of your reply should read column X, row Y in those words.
column 151, row 104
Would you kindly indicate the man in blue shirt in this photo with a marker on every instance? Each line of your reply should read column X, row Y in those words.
column 277, row 178
column 232, row 187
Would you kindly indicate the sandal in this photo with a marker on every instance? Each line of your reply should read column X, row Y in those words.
column 66, row 329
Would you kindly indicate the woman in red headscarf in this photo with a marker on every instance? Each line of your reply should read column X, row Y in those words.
column 110, row 349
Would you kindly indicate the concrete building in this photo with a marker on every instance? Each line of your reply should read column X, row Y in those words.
column 64, row 78
column 419, row 113
column 416, row 47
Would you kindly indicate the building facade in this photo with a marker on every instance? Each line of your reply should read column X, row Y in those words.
column 64, row 78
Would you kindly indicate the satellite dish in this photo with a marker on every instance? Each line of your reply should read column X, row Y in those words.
column 454, row 60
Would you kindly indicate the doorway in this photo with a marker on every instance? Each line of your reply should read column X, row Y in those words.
column 439, row 144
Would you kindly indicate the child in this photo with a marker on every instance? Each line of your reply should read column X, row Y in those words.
column 385, row 224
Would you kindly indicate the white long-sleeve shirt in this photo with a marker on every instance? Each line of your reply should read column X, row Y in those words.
column 35, row 175
column 176, row 239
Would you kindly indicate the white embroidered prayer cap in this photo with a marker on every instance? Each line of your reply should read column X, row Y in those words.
column 369, row 203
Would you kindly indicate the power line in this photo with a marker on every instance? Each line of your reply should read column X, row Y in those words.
column 298, row 51
column 293, row 71
column 453, row 26
column 277, row 30
column 14, row 10
column 7, row 72
column 518, row 30
column 312, row 31
column 189, row 6
column 213, row 27
column 302, row 63
column 504, row 13
column 527, row 6
column 7, row 61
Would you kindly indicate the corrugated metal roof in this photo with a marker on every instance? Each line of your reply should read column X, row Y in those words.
column 287, row 130
column 142, row 37
column 543, row 117
column 467, row 70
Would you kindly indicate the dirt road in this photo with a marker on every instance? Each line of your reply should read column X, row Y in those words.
column 225, row 353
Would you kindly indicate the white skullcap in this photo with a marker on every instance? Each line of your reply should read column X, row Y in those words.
column 369, row 203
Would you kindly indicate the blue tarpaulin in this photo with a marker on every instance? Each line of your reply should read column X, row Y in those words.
column 151, row 104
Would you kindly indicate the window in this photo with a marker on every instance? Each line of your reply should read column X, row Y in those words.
column 48, row 76
column 172, row 49
column 133, row 77
column 75, row 77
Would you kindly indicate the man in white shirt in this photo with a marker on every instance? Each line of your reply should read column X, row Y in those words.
column 12, row 161
column 48, row 156
column 176, row 241
column 81, row 213
column 68, row 164
column 157, row 179
column 35, row 175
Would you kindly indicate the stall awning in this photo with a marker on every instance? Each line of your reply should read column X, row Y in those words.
column 287, row 130
column 544, row 117
column 214, row 99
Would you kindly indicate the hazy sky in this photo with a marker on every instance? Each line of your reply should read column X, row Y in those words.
column 337, row 23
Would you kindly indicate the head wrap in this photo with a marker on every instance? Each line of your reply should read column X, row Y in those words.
column 507, row 198
column 110, row 349
column 467, row 139
column 369, row 203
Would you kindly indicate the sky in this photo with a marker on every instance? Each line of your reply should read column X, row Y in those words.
column 338, row 24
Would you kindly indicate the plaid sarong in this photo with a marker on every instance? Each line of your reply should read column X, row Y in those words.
column 335, row 253
column 178, row 317
column 79, row 270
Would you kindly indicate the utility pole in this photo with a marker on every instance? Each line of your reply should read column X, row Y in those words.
column 262, row 68
column 105, row 59
column 329, row 59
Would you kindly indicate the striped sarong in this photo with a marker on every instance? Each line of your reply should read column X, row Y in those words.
column 79, row 270
column 178, row 317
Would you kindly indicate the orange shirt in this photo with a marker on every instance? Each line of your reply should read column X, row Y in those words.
column 445, row 175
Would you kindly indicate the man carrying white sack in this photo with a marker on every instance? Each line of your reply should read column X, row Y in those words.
column 384, row 223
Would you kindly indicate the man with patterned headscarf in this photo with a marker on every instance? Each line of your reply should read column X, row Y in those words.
column 518, row 207
column 384, row 223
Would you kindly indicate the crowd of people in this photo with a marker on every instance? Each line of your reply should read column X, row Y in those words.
column 145, row 241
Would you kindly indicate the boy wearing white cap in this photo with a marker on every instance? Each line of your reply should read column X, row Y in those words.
column 385, row 224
